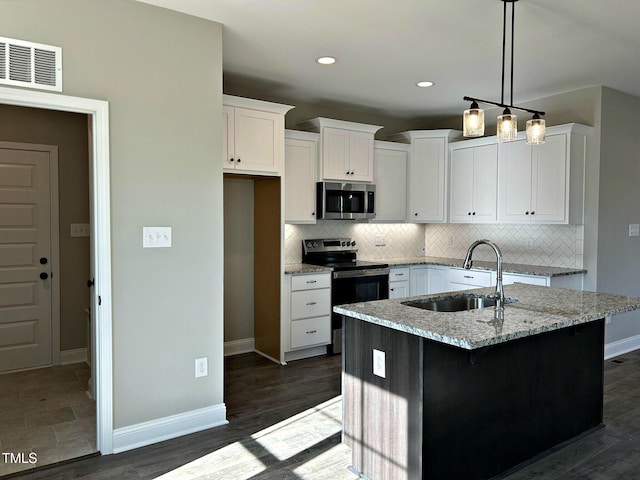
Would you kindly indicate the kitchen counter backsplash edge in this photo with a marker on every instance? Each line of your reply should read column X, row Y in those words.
column 484, row 265
column 302, row 268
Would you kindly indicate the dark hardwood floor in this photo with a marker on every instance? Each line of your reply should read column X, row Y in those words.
column 259, row 394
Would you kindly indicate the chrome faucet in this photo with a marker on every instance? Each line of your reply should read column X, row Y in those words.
column 499, row 295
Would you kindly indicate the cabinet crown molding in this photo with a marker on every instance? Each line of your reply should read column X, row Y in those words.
column 316, row 124
column 251, row 103
column 408, row 136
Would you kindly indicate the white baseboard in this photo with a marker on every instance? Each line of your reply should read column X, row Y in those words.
column 621, row 347
column 236, row 347
column 79, row 355
column 154, row 431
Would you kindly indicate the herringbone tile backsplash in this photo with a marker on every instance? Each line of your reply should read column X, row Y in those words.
column 546, row 245
column 401, row 239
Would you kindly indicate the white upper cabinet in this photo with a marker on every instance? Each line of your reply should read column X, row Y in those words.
column 346, row 149
column 300, row 157
column 390, row 178
column 543, row 183
column 427, row 173
column 253, row 140
column 474, row 183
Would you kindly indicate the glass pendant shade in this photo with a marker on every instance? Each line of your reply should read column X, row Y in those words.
column 535, row 130
column 473, row 122
column 507, row 126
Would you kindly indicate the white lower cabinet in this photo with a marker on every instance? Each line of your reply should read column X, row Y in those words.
column 309, row 317
column 509, row 278
column 399, row 283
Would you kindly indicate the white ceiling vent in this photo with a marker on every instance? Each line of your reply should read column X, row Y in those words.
column 32, row 65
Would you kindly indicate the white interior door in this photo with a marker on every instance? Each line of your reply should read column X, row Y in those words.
column 25, row 256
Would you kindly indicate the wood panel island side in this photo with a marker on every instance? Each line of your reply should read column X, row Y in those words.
column 472, row 394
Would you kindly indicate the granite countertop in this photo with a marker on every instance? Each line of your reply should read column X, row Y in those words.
column 299, row 268
column 537, row 310
column 483, row 265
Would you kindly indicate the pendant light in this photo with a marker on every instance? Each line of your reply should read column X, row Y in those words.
column 507, row 123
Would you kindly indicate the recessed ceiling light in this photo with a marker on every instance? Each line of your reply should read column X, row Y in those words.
column 425, row 83
column 326, row 60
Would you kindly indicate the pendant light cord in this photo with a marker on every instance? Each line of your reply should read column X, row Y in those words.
column 513, row 18
column 504, row 35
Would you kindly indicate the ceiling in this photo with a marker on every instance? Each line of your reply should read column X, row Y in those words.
column 383, row 48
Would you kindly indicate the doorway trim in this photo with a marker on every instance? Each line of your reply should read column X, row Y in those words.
column 100, row 239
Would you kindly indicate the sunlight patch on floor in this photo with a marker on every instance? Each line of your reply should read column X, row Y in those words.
column 290, row 437
column 268, row 449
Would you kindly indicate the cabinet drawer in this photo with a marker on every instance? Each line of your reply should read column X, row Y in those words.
column 509, row 278
column 310, row 331
column 310, row 303
column 399, row 274
column 314, row 280
column 473, row 278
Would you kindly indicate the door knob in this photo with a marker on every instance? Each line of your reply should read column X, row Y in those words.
column 43, row 260
column 44, row 276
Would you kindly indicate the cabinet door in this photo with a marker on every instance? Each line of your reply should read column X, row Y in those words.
column 361, row 156
column 549, row 174
column 335, row 154
column 259, row 139
column 228, row 155
column 399, row 289
column 437, row 277
column 427, row 180
column 390, row 167
column 300, row 158
column 514, row 195
column 462, row 171
column 485, row 183
column 419, row 280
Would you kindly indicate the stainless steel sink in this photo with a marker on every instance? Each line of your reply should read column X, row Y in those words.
column 454, row 303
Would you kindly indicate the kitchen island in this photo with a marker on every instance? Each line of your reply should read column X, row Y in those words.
column 472, row 394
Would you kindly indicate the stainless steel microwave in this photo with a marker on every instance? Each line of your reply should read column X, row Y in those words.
column 345, row 201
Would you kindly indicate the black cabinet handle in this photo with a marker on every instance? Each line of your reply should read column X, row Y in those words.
column 232, row 159
column 44, row 276
column 415, row 214
column 90, row 283
column 468, row 213
column 474, row 213
column 533, row 213
column 526, row 213
column 239, row 160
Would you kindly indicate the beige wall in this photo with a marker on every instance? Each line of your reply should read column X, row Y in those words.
column 161, row 73
column 68, row 131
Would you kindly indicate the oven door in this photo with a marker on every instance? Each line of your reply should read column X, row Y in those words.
column 352, row 286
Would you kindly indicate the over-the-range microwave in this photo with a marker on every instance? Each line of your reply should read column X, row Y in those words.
column 345, row 201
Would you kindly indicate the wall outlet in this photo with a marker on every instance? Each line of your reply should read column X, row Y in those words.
column 634, row 230
column 450, row 240
column 378, row 363
column 202, row 367
column 529, row 244
column 381, row 240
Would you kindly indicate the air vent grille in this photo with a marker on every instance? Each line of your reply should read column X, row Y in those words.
column 29, row 64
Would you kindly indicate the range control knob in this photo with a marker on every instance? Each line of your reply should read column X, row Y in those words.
column 353, row 243
column 344, row 243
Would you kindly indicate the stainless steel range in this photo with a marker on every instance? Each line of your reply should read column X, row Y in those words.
column 352, row 280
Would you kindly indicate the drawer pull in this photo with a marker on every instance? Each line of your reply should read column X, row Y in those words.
column 312, row 331
column 468, row 276
column 311, row 303
column 399, row 274
column 312, row 281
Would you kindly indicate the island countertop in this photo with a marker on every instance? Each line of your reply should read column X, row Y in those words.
column 536, row 310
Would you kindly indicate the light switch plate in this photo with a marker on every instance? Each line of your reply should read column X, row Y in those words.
column 79, row 230
column 634, row 230
column 154, row 237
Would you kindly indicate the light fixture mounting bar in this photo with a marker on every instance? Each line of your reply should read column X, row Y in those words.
column 502, row 105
